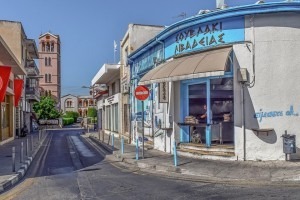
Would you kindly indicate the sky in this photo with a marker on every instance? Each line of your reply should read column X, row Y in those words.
column 88, row 28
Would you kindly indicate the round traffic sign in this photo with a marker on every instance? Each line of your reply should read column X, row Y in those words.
column 141, row 93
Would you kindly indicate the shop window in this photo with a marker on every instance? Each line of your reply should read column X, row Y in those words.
column 115, row 117
column 107, row 118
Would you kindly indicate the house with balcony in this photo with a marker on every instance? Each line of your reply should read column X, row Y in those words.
column 16, row 53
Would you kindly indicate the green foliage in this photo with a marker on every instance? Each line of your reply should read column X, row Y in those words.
column 92, row 120
column 67, row 121
column 72, row 114
column 92, row 112
column 45, row 109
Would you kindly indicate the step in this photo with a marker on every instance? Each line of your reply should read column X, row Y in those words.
column 206, row 155
column 202, row 147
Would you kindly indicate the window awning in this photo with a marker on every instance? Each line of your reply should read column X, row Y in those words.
column 204, row 64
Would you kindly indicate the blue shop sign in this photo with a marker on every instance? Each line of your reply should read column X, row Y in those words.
column 206, row 35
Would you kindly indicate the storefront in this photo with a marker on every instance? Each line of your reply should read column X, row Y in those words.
column 112, row 116
column 217, row 77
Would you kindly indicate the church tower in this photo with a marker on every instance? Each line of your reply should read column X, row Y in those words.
column 50, row 65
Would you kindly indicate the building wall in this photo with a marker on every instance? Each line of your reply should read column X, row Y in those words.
column 12, row 33
column 64, row 105
column 135, row 37
column 276, row 39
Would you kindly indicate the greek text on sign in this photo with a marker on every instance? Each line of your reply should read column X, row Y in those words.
column 207, row 35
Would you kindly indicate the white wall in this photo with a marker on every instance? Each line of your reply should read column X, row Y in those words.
column 277, row 45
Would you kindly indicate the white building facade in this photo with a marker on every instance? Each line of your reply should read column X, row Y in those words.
column 204, row 60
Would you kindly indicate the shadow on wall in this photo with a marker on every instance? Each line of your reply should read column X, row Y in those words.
column 250, row 121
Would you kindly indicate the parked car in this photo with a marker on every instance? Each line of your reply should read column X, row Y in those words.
column 35, row 125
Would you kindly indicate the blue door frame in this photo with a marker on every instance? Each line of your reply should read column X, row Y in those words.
column 184, row 109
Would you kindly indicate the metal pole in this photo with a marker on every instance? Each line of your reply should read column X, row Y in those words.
column 137, row 149
column 27, row 147
column 175, row 154
column 122, row 145
column 13, row 159
column 103, row 135
column 22, row 152
column 143, row 129
column 112, row 141
column 40, row 135
column 31, row 143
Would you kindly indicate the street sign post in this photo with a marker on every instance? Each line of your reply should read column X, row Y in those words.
column 142, row 93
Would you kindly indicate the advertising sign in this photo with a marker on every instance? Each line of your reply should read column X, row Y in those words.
column 164, row 92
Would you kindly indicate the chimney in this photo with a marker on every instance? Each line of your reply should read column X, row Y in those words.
column 220, row 4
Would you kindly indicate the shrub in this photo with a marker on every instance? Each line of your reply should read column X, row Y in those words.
column 67, row 121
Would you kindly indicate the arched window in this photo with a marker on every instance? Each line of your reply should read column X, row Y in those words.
column 46, row 61
column 46, row 78
column 49, row 61
column 47, row 47
column 49, row 78
column 43, row 46
column 52, row 46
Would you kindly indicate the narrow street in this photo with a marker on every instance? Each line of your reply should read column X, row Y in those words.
column 54, row 175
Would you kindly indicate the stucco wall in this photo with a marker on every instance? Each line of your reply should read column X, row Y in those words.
column 276, row 39
column 11, row 32
column 64, row 100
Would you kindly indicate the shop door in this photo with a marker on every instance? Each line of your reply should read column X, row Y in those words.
column 195, row 104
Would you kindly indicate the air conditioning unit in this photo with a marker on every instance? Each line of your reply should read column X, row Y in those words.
column 125, row 87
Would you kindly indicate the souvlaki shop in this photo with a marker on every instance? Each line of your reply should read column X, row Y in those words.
column 222, row 81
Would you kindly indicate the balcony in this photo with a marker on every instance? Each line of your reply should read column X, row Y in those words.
column 32, row 94
column 31, row 68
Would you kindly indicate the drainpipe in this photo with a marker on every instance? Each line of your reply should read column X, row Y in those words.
column 244, row 121
column 164, row 106
column 130, row 103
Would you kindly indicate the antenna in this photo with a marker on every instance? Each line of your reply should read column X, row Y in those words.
column 181, row 15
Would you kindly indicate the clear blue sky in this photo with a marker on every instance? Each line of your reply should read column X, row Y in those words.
column 87, row 28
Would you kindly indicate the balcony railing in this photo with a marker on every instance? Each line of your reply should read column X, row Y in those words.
column 32, row 69
column 32, row 93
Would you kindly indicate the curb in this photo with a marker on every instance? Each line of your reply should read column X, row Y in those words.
column 183, row 174
column 15, row 178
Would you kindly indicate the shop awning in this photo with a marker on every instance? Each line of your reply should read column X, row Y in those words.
column 204, row 64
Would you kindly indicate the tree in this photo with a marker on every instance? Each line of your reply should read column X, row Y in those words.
column 92, row 112
column 46, row 109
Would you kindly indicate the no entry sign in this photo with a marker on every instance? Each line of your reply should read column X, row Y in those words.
column 141, row 93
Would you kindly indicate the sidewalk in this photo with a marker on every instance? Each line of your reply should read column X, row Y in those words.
column 7, row 176
column 241, row 172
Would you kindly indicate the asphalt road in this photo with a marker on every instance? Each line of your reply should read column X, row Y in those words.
column 59, row 172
